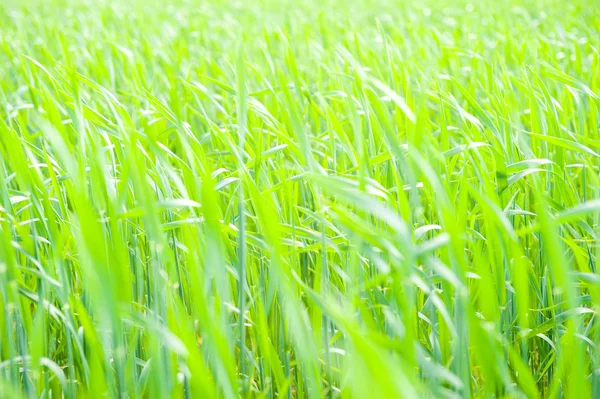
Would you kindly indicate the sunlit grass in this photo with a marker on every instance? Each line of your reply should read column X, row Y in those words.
column 276, row 199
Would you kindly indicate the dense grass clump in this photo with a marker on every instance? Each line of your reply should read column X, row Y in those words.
column 317, row 199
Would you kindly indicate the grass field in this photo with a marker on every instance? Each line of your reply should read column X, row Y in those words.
column 317, row 199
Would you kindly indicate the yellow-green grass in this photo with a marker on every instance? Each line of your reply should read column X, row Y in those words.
column 281, row 199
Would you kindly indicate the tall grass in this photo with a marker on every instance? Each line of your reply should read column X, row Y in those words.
column 321, row 199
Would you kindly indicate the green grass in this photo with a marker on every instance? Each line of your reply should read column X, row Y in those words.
column 320, row 199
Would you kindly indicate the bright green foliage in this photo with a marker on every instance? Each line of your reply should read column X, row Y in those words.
column 290, row 199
